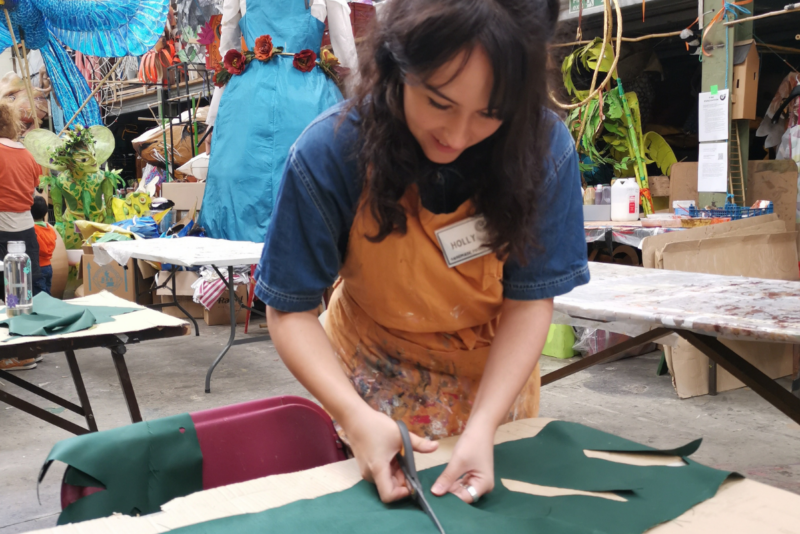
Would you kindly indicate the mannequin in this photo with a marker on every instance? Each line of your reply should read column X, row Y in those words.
column 262, row 110
column 336, row 11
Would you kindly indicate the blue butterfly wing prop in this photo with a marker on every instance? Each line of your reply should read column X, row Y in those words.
column 69, row 85
column 106, row 28
column 5, row 38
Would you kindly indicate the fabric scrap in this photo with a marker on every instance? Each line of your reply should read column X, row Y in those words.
column 141, row 467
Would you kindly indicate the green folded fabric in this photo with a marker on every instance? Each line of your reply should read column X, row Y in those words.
column 555, row 457
column 51, row 316
column 141, row 467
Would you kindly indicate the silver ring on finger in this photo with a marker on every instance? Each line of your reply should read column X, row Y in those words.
column 472, row 493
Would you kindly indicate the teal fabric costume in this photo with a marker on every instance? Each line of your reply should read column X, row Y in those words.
column 261, row 114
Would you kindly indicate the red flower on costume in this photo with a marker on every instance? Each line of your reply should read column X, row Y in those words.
column 305, row 60
column 234, row 62
column 263, row 48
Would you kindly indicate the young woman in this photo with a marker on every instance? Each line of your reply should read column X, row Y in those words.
column 446, row 199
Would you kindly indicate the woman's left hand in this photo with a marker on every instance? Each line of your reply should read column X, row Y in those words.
column 472, row 464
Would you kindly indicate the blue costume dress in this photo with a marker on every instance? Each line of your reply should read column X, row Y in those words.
column 261, row 114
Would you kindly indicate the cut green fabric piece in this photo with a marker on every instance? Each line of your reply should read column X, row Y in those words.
column 51, row 316
column 555, row 457
column 142, row 466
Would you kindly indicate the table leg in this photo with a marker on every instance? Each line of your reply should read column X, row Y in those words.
column 81, row 389
column 232, row 295
column 796, row 371
column 605, row 355
column 118, row 354
column 712, row 377
column 175, row 301
column 740, row 368
column 42, row 414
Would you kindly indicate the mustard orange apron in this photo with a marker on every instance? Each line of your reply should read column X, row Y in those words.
column 412, row 334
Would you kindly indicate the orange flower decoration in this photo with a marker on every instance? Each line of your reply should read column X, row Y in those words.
column 263, row 49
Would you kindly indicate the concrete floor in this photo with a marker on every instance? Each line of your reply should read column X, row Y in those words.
column 741, row 431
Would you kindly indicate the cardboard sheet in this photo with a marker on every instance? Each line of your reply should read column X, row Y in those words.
column 653, row 244
column 555, row 457
column 132, row 322
column 771, row 256
column 740, row 506
column 774, row 180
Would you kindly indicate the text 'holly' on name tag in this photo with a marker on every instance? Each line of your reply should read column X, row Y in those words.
column 463, row 241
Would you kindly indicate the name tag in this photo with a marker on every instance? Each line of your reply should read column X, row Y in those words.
column 463, row 241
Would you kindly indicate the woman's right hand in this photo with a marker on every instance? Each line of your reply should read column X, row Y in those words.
column 375, row 440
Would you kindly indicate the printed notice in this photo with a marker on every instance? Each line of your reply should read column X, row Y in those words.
column 713, row 119
column 712, row 168
column 463, row 241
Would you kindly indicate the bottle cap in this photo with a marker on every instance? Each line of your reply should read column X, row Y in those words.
column 16, row 247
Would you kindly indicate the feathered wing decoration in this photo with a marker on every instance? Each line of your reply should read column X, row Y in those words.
column 69, row 85
column 5, row 37
column 106, row 28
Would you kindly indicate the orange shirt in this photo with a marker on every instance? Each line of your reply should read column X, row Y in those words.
column 46, row 236
column 19, row 176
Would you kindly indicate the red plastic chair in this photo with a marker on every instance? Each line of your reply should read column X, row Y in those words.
column 254, row 439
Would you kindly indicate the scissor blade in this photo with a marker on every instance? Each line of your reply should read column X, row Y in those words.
column 428, row 510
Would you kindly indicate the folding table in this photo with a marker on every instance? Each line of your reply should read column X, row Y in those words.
column 652, row 304
column 134, row 327
column 188, row 252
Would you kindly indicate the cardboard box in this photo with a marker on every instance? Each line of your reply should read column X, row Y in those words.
column 185, row 195
column 220, row 313
column 114, row 278
column 659, row 186
column 184, row 292
column 194, row 309
column 744, row 93
column 774, row 180
column 749, row 247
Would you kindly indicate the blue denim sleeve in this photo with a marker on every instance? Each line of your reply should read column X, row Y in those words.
column 307, row 236
column 559, row 264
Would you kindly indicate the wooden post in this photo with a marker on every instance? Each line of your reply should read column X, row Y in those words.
column 34, row 111
column 714, row 68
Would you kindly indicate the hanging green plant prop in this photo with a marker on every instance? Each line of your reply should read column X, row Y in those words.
column 610, row 126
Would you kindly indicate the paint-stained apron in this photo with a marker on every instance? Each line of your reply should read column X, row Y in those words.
column 412, row 334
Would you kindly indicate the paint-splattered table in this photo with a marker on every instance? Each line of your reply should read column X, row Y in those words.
column 653, row 304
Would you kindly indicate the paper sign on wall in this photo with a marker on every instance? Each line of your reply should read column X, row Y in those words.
column 713, row 119
column 712, row 169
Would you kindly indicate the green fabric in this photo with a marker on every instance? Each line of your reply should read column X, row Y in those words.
column 554, row 457
column 142, row 466
column 560, row 340
column 51, row 316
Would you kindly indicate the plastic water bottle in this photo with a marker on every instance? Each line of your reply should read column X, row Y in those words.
column 18, row 280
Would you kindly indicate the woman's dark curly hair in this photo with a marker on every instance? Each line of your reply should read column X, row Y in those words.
column 418, row 37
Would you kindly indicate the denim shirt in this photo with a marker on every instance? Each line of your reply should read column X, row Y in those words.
column 306, row 242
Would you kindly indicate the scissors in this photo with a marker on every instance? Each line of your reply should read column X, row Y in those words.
column 406, row 459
